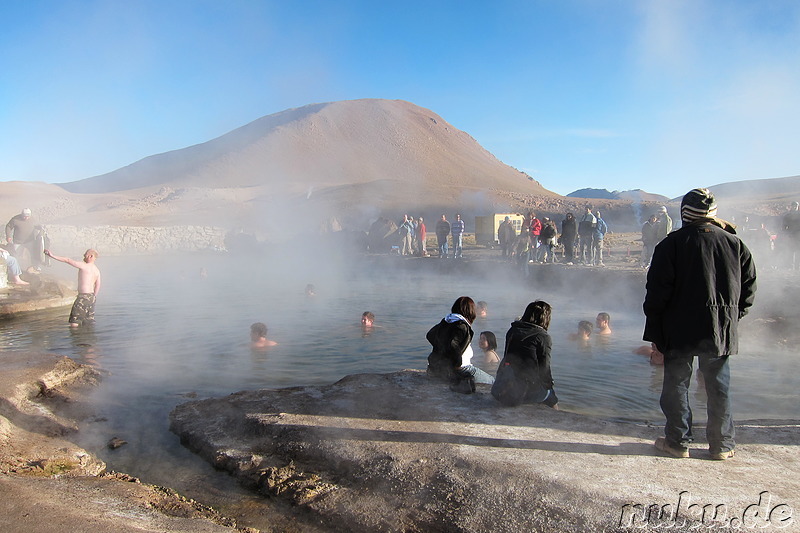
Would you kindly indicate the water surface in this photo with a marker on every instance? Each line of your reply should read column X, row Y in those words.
column 166, row 334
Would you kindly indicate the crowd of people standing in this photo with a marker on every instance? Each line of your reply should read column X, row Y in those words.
column 538, row 239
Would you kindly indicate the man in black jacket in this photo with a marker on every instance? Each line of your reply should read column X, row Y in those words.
column 442, row 231
column 701, row 282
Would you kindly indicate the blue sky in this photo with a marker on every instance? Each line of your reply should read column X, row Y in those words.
column 617, row 94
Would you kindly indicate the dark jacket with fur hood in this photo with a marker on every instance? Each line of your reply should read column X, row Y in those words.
column 701, row 281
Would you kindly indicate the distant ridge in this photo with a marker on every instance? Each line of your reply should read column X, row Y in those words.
column 635, row 195
column 771, row 188
column 326, row 145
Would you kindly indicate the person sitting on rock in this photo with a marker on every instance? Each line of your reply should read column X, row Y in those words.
column 451, row 354
column 13, row 270
column 527, row 353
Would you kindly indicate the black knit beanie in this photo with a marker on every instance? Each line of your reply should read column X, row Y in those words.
column 698, row 203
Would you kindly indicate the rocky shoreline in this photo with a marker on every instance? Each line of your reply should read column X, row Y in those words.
column 401, row 452
column 385, row 452
column 49, row 484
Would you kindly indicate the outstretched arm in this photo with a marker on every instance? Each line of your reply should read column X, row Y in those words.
column 62, row 259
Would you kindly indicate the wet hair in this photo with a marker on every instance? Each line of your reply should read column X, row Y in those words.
column 491, row 339
column 259, row 329
column 538, row 313
column 604, row 316
column 482, row 305
column 464, row 306
column 368, row 314
column 585, row 326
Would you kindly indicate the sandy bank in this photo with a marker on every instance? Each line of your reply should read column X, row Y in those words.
column 48, row 484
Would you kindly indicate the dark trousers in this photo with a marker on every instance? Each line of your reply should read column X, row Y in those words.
column 442, row 245
column 569, row 249
column 675, row 401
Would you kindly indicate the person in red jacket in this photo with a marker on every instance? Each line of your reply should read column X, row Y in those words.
column 420, row 236
column 536, row 230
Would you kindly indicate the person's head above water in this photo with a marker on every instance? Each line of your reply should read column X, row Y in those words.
column 603, row 322
column 464, row 306
column 481, row 309
column 585, row 328
column 258, row 331
column 487, row 341
column 258, row 336
column 539, row 313
column 367, row 319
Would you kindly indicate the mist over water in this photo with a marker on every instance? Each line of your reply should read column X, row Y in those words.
column 167, row 335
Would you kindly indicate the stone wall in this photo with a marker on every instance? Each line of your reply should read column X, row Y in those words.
column 134, row 240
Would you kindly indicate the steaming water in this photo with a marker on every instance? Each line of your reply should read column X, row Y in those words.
column 166, row 334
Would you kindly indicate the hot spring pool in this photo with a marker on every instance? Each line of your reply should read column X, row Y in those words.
column 166, row 334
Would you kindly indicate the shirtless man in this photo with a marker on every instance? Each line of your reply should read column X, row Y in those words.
column 88, row 287
column 602, row 321
column 258, row 336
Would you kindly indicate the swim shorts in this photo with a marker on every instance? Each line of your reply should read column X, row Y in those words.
column 82, row 309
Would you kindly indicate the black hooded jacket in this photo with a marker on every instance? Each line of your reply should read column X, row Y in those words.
column 528, row 349
column 449, row 340
column 701, row 282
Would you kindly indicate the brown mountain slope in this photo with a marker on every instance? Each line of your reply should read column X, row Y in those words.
column 351, row 160
column 326, row 145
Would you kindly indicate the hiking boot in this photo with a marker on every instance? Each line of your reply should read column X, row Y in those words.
column 722, row 456
column 679, row 452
